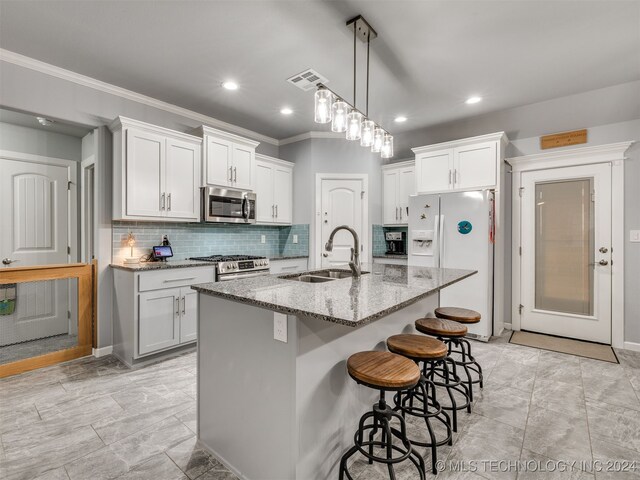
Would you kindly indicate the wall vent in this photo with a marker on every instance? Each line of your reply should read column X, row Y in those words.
column 307, row 80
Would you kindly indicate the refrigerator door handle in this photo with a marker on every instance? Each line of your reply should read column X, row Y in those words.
column 441, row 241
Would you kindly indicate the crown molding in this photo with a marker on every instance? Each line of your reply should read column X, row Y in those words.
column 310, row 135
column 491, row 137
column 54, row 71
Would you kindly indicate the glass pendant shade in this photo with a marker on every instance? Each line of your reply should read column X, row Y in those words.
column 322, row 105
column 387, row 147
column 339, row 113
column 366, row 137
column 378, row 140
column 354, row 125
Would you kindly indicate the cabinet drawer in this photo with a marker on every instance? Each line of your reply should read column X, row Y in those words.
column 178, row 277
column 288, row 265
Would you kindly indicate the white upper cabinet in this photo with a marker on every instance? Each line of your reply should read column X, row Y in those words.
column 468, row 164
column 156, row 173
column 228, row 160
column 274, row 190
column 398, row 182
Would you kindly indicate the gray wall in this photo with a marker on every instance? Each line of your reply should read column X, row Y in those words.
column 611, row 115
column 17, row 138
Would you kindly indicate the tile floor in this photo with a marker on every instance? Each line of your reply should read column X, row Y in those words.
column 94, row 419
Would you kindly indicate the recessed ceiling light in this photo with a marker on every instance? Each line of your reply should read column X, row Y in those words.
column 400, row 119
column 286, row 111
column 472, row 100
column 44, row 121
column 229, row 85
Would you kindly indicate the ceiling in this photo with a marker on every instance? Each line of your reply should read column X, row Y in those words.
column 428, row 58
column 31, row 121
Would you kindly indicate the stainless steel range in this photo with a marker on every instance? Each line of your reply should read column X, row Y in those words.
column 232, row 267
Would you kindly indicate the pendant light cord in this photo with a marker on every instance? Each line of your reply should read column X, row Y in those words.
column 354, row 65
column 368, row 43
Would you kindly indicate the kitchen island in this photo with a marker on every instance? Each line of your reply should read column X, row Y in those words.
column 275, row 410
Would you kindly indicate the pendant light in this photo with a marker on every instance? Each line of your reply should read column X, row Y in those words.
column 354, row 125
column 346, row 117
column 387, row 147
column 339, row 113
column 323, row 105
column 378, row 140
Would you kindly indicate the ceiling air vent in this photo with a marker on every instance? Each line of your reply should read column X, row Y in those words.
column 307, row 80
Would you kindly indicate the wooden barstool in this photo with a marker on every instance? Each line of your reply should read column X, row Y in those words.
column 460, row 346
column 427, row 351
column 445, row 374
column 383, row 371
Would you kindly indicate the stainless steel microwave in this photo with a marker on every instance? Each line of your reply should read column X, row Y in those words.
column 223, row 205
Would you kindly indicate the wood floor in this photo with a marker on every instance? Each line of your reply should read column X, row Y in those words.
column 93, row 419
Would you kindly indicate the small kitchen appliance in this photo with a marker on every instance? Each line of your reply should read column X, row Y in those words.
column 224, row 205
column 396, row 243
column 232, row 267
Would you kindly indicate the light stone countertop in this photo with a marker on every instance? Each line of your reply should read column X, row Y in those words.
column 147, row 266
column 348, row 301
column 388, row 255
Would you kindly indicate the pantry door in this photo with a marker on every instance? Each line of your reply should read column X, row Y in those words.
column 566, row 252
column 35, row 211
column 342, row 201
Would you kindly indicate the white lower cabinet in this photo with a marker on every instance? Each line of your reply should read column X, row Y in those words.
column 155, row 311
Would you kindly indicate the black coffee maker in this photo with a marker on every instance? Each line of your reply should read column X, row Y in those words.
column 396, row 243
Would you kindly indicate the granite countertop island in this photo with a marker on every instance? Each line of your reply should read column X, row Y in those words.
column 349, row 301
column 275, row 400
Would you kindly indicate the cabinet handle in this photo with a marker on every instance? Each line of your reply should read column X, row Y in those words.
column 273, row 211
column 177, row 305
column 276, row 211
column 231, row 174
column 400, row 208
column 235, row 174
column 162, row 204
column 184, row 305
column 449, row 177
column 169, row 202
column 179, row 279
column 455, row 176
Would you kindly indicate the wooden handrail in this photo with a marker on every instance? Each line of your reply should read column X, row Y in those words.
column 41, row 267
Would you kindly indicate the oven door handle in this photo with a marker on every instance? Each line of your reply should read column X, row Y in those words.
column 235, row 276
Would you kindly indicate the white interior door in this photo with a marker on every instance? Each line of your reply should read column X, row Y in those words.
column 342, row 203
column 566, row 252
column 35, row 231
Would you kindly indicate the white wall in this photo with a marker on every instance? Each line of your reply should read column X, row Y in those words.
column 17, row 138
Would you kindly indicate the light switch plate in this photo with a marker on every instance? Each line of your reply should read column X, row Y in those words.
column 295, row 238
column 280, row 327
column 634, row 236
column 263, row 239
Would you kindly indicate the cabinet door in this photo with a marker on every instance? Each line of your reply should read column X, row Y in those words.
column 283, row 193
column 406, row 187
column 145, row 165
column 264, row 192
column 434, row 171
column 218, row 162
column 243, row 167
column 183, row 180
column 475, row 166
column 188, row 315
column 158, row 320
column 390, row 215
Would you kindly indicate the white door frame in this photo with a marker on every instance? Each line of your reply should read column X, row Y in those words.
column 316, row 238
column 614, row 154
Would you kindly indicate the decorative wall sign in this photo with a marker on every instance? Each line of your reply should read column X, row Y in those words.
column 563, row 139
column 465, row 227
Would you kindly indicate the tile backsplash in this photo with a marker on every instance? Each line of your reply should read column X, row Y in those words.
column 379, row 243
column 197, row 240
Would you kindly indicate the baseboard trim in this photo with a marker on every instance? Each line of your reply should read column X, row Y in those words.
column 508, row 326
column 103, row 351
column 632, row 346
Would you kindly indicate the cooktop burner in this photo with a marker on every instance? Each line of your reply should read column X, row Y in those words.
column 226, row 258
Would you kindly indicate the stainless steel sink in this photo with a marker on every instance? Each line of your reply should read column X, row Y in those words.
column 320, row 276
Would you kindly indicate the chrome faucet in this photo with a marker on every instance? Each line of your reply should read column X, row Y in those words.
column 354, row 264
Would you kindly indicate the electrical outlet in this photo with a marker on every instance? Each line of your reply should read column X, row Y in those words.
column 263, row 239
column 280, row 327
column 295, row 238
column 162, row 238
column 634, row 236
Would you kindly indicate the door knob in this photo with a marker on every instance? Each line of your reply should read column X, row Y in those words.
column 603, row 250
column 603, row 262
column 8, row 261
column 325, row 254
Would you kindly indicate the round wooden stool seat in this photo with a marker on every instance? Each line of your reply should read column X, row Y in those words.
column 440, row 327
column 462, row 315
column 383, row 370
column 417, row 347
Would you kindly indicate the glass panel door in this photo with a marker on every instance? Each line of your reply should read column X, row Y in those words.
column 564, row 246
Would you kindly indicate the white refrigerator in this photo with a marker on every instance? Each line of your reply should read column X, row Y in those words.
column 457, row 230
